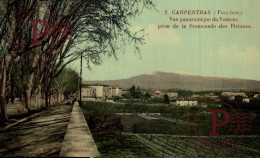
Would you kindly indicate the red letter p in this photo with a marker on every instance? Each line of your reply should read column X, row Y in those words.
column 35, row 33
column 214, row 121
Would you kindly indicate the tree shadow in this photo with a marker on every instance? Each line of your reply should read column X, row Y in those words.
column 44, row 133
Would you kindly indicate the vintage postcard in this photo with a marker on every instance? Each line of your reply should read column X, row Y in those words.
column 129, row 78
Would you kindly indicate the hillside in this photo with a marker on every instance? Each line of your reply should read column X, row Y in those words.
column 176, row 80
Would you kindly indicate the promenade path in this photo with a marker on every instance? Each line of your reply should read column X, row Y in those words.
column 78, row 141
column 40, row 134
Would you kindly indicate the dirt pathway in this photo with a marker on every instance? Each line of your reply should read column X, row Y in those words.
column 41, row 135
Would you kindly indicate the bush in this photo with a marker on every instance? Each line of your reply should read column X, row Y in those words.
column 116, row 98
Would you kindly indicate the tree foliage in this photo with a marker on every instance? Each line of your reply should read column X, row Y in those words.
column 166, row 99
column 89, row 28
column 67, row 81
column 182, row 93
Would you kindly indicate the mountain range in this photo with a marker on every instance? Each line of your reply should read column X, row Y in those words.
column 164, row 80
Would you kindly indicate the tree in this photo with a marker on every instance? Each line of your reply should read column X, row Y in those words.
column 238, row 99
column 95, row 29
column 166, row 99
column 132, row 89
column 135, row 92
column 147, row 95
column 67, row 81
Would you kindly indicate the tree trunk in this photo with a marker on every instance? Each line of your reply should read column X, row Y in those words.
column 46, row 88
column 3, row 104
column 30, row 87
column 38, row 98
column 28, row 99
column 13, row 94
column 46, row 97
column 60, row 97
column 24, row 101
column 22, row 108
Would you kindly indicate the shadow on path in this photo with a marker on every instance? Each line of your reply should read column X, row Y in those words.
column 41, row 135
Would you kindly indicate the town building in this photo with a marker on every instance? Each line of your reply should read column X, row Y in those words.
column 99, row 91
column 124, row 91
column 172, row 95
column 156, row 94
column 246, row 100
column 184, row 102
column 116, row 91
column 231, row 95
column 195, row 96
column 88, row 92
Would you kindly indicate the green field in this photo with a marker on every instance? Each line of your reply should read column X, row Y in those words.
column 145, row 138
column 156, row 145
column 114, row 145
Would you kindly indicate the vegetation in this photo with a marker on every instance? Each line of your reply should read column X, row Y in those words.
column 124, row 145
column 179, row 114
column 157, row 145
column 166, row 99
column 179, row 146
column 181, row 92
column 103, row 107
column 67, row 81
column 135, row 93
column 203, row 93
column 111, row 109
column 158, row 139
column 158, row 128
column 82, row 28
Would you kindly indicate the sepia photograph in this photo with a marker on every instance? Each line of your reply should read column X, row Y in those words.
column 130, row 78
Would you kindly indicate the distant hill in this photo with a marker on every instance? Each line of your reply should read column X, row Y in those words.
column 176, row 80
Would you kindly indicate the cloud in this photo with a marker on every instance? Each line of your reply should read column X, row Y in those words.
column 162, row 37
column 251, row 54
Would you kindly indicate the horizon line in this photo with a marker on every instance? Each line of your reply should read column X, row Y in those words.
column 178, row 72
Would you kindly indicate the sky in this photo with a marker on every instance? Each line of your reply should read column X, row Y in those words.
column 228, row 52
